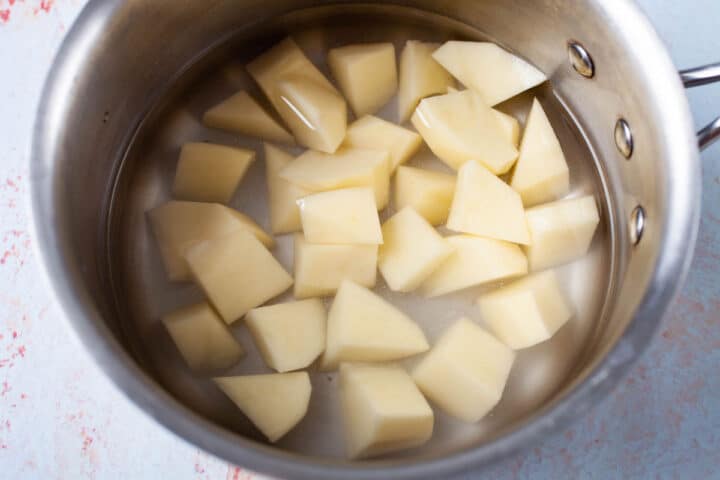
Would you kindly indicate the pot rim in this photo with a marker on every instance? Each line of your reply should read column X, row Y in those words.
column 667, row 277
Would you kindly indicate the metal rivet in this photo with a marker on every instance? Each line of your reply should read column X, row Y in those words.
column 581, row 60
column 637, row 224
column 624, row 138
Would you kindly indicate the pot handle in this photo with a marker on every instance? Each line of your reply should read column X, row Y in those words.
column 695, row 77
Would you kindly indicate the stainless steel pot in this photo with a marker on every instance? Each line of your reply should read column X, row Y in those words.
column 125, row 61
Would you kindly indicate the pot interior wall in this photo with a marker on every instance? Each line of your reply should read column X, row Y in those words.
column 142, row 102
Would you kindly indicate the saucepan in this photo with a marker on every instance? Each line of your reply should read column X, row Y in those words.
column 129, row 83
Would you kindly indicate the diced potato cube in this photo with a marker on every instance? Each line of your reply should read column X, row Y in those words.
column 459, row 127
column 178, row 226
column 242, row 114
column 290, row 335
column 348, row 167
column 420, row 77
column 488, row 69
column 475, row 261
column 383, row 410
column 316, row 115
column 237, row 273
column 341, row 216
column 304, row 98
column 465, row 372
column 249, row 224
column 362, row 327
column 274, row 403
column 377, row 134
column 509, row 124
column 560, row 231
column 210, row 173
column 204, row 341
column 485, row 205
column 283, row 195
column 541, row 174
column 283, row 60
column 366, row 73
column 411, row 251
column 321, row 268
column 429, row 193
column 527, row 311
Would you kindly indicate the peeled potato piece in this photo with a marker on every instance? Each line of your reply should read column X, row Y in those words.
column 348, row 167
column 341, row 216
column 289, row 335
column 541, row 174
column 366, row 73
column 420, row 77
column 509, row 124
column 383, row 410
column 283, row 195
column 362, row 327
column 465, row 372
column 316, row 115
column 486, row 206
column 304, row 98
column 492, row 72
column 210, row 173
column 274, row 403
column 321, row 268
column 411, row 251
column 560, row 231
column 526, row 312
column 429, row 193
column 242, row 114
column 459, row 127
column 178, row 226
column 377, row 134
column 237, row 273
column 475, row 261
column 204, row 341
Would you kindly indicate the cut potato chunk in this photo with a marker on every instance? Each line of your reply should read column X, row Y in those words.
column 316, row 115
column 541, row 173
column 485, row 205
column 242, row 114
column 366, row 73
column 429, row 193
column 526, row 312
column 561, row 231
column 465, row 372
column 210, row 173
column 237, row 273
column 420, row 77
column 274, row 403
column 383, row 410
column 377, row 134
column 178, row 226
column 304, row 98
column 411, row 251
column 283, row 195
column 341, row 216
column 459, row 127
column 362, row 327
column 321, row 268
column 204, row 341
column 509, row 124
column 475, row 261
column 348, row 167
column 290, row 335
column 486, row 68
